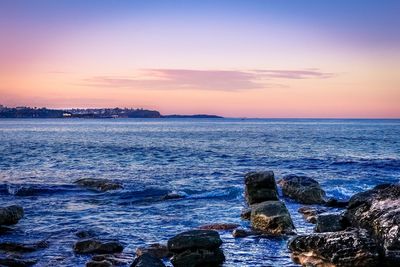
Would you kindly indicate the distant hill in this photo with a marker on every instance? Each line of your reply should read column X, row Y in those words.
column 196, row 116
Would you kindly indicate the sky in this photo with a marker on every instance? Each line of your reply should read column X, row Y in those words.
column 264, row 59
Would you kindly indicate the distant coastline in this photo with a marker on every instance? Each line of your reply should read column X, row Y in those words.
column 90, row 113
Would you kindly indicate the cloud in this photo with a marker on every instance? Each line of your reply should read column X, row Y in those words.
column 217, row 80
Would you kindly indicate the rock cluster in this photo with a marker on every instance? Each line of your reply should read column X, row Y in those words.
column 196, row 248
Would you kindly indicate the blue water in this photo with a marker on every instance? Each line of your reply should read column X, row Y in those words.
column 203, row 159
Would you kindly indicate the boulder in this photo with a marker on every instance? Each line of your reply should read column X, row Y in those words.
column 101, row 185
column 96, row 246
column 198, row 258
column 219, row 226
column 195, row 239
column 147, row 260
column 330, row 222
column 310, row 213
column 271, row 217
column 11, row 214
column 303, row 189
column 158, row 250
column 378, row 211
column 345, row 248
column 260, row 186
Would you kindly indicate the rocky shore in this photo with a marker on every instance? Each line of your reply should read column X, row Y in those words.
column 362, row 232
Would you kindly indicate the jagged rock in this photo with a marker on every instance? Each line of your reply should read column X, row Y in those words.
column 345, row 249
column 11, row 214
column 158, row 250
column 310, row 213
column 378, row 211
column 22, row 248
column 195, row 239
column 14, row 262
column 103, row 263
column 271, row 217
column 260, row 186
column 147, row 260
column 101, row 185
column 97, row 246
column 302, row 189
column 219, row 226
column 330, row 222
column 197, row 258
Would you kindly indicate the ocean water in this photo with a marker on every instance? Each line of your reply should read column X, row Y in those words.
column 203, row 159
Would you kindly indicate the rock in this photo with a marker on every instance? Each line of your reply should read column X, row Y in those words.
column 260, row 186
column 11, row 214
column 378, row 211
column 219, row 226
column 147, row 260
column 85, row 234
column 114, row 259
column 198, row 258
column 96, row 246
column 302, row 189
column 345, row 248
column 271, row 217
column 13, row 262
column 157, row 250
column 103, row 263
column 336, row 203
column 238, row 233
column 173, row 195
column 310, row 213
column 330, row 222
column 246, row 213
column 22, row 248
column 195, row 239
column 101, row 185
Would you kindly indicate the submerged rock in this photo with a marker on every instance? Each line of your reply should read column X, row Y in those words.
column 85, row 233
column 96, row 246
column 103, row 263
column 199, row 257
column 239, row 233
column 310, row 213
column 14, row 262
column 115, row 259
column 219, row 226
column 378, row 211
column 147, row 260
column 157, row 250
column 22, row 248
column 11, row 214
column 330, row 222
column 302, row 189
column 271, row 217
column 345, row 248
column 101, row 185
column 260, row 186
column 173, row 195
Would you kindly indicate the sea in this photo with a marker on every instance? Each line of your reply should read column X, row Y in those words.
column 204, row 160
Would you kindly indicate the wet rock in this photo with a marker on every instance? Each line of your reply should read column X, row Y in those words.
column 14, row 262
column 96, row 246
column 85, row 233
column 260, row 186
column 239, row 233
column 219, row 226
column 197, row 258
column 116, row 259
column 330, row 222
column 345, row 248
column 147, row 260
column 5, row 229
column 157, row 250
column 271, row 217
column 246, row 213
column 173, row 195
column 336, row 203
column 101, row 185
column 11, row 214
column 378, row 211
column 22, row 248
column 310, row 213
column 302, row 189
column 201, row 239
column 103, row 263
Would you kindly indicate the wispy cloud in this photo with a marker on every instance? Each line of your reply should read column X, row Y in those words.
column 218, row 80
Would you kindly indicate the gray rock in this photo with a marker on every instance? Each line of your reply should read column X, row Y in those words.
column 198, row 258
column 271, row 217
column 260, row 186
column 302, row 189
column 147, row 260
column 11, row 214
column 310, row 213
column 195, row 239
column 345, row 249
column 101, row 185
column 158, row 250
column 329, row 222
column 96, row 246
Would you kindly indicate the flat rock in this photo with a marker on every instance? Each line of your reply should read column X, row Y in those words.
column 195, row 239
column 330, row 222
column 158, row 250
column 147, row 260
column 260, row 186
column 271, row 217
column 11, row 214
column 198, row 257
column 303, row 189
column 96, row 184
column 219, row 226
column 345, row 248
column 96, row 246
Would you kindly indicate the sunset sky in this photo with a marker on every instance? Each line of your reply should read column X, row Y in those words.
column 271, row 58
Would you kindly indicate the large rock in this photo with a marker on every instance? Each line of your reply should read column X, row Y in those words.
column 147, row 260
column 198, row 258
column 195, row 239
column 345, row 249
column 101, row 185
column 271, row 217
column 11, row 214
column 96, row 246
column 302, row 189
column 330, row 222
column 378, row 211
column 260, row 186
